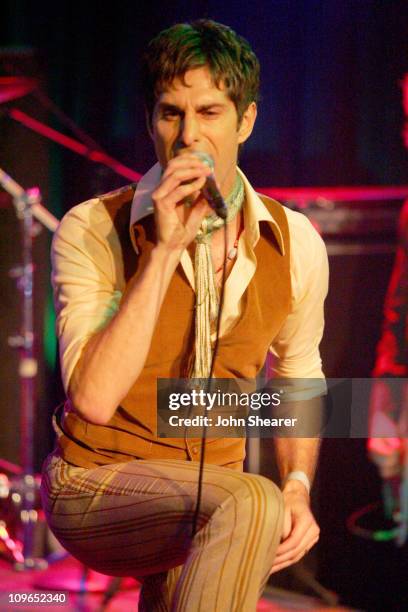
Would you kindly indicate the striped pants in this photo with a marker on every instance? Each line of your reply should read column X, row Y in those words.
column 135, row 519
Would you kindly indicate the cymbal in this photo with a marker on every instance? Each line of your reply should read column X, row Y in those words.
column 12, row 87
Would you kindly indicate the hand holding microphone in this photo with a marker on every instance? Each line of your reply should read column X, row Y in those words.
column 210, row 190
column 185, row 176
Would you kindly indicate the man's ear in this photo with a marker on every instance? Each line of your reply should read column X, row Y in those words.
column 247, row 123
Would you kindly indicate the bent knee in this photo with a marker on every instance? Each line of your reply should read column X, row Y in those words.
column 254, row 497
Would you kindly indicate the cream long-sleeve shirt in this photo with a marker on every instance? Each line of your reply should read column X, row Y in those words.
column 88, row 279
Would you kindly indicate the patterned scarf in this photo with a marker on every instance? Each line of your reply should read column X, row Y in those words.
column 207, row 298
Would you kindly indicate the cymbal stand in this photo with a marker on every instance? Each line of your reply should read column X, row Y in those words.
column 27, row 205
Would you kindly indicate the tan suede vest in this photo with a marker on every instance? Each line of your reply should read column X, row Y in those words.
column 131, row 433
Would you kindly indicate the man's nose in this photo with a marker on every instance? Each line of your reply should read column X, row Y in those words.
column 189, row 131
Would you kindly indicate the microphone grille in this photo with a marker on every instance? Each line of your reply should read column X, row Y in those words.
column 205, row 158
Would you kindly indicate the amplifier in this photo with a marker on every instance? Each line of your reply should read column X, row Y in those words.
column 351, row 220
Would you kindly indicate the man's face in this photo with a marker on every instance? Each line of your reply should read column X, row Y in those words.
column 199, row 116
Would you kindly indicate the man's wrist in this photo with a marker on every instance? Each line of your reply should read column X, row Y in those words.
column 297, row 480
column 164, row 250
column 166, row 258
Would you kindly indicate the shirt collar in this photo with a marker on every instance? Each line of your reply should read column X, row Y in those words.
column 254, row 213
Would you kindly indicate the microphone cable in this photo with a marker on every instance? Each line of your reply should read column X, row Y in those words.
column 208, row 382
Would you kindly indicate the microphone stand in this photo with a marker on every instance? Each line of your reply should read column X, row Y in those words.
column 95, row 155
column 27, row 206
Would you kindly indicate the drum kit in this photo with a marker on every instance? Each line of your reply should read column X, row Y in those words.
column 19, row 496
column 21, row 521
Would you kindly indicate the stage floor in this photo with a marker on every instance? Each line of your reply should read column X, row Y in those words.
column 69, row 573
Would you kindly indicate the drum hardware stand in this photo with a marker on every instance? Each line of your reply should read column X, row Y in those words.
column 25, row 487
column 27, row 205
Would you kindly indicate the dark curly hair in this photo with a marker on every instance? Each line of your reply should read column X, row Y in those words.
column 185, row 46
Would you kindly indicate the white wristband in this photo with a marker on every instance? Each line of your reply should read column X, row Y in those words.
column 299, row 475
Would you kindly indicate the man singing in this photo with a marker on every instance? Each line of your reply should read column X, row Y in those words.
column 137, row 276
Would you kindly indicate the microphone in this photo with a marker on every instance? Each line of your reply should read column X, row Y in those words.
column 210, row 190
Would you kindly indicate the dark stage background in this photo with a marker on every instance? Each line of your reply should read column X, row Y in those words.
column 330, row 114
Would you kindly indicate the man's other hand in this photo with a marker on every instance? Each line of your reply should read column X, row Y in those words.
column 300, row 530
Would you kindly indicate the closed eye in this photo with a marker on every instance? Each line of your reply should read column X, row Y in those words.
column 170, row 114
column 209, row 113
